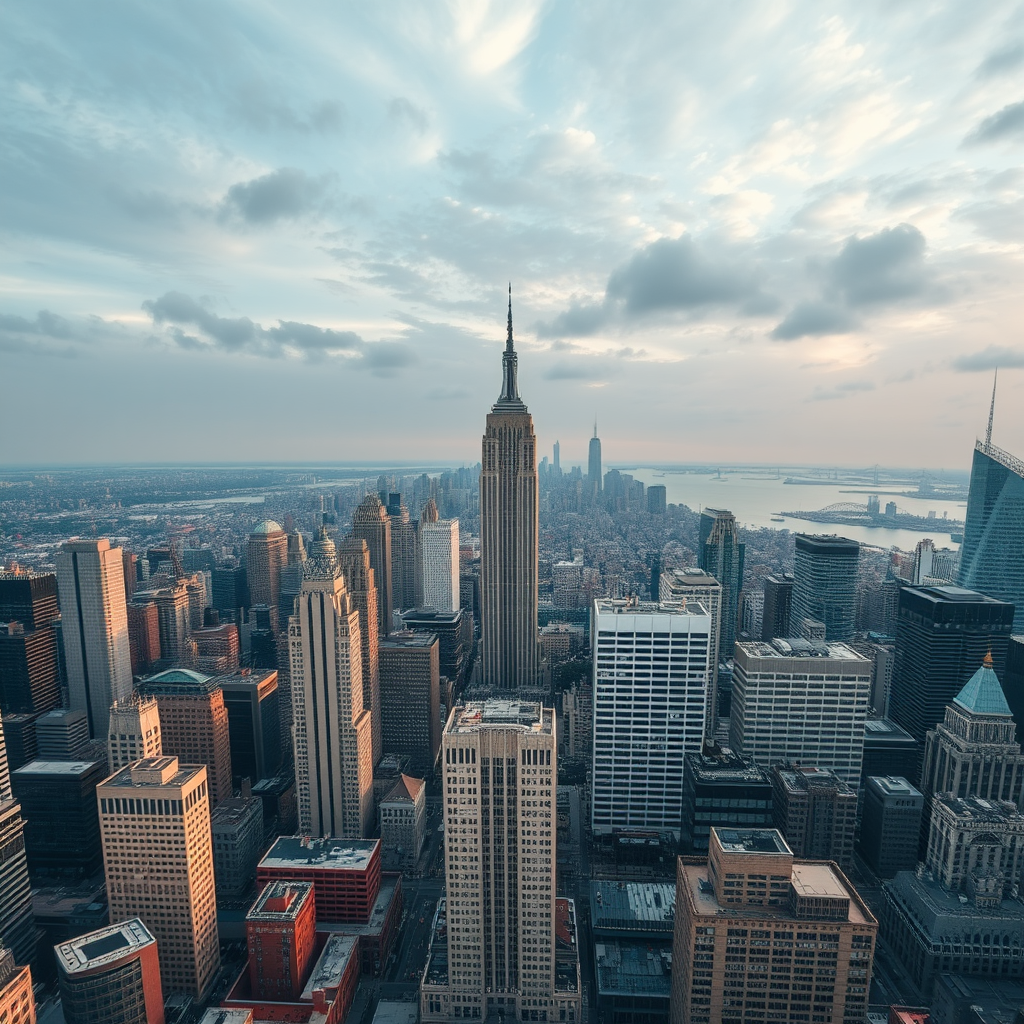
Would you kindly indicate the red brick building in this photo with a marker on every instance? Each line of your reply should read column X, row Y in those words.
column 280, row 932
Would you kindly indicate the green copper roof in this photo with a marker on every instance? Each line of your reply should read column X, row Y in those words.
column 982, row 693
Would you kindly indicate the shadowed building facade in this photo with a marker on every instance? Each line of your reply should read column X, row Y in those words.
column 509, row 535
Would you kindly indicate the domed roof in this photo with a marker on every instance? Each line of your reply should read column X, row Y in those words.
column 267, row 526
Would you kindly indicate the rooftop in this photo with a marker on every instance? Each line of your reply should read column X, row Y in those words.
column 751, row 840
column 726, row 766
column 798, row 778
column 406, row 789
column 883, row 730
column 70, row 768
column 154, row 771
column 950, row 593
column 235, row 810
column 977, row 808
column 500, row 711
column 827, row 542
column 817, row 879
column 408, row 638
column 330, row 967
column 106, row 946
column 393, row 1011
column 178, row 681
column 797, row 647
column 431, row 615
column 627, row 967
column 267, row 527
column 218, row 1015
column 378, row 914
column 939, row 911
column 982, row 694
column 655, row 613
column 334, row 854
column 632, row 906
column 280, row 901
column 893, row 785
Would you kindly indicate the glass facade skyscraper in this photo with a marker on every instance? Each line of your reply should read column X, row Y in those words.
column 825, row 585
column 992, row 555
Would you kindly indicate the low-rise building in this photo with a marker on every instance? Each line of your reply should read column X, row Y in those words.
column 816, row 811
column 403, row 823
column 237, row 831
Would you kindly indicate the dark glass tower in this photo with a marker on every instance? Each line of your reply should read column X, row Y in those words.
column 825, row 584
column 778, row 604
column 942, row 635
column 992, row 555
column 721, row 555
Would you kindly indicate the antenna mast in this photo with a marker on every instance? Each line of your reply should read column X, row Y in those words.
column 991, row 410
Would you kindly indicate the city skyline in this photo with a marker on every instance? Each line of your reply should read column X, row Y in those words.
column 839, row 242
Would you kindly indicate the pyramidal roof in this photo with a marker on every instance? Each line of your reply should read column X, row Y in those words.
column 982, row 693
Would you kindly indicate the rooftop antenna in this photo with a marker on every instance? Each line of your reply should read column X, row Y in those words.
column 991, row 410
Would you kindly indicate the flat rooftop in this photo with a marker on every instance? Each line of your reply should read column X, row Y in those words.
column 378, row 914
column 280, row 901
column 726, row 768
column 950, row 593
column 882, row 730
column 701, row 893
column 233, row 812
column 893, row 785
column 217, row 1015
column 106, row 946
column 148, row 774
column 418, row 640
column 632, row 906
column 332, row 854
column 797, row 647
column 72, row 768
column 330, row 967
column 818, row 880
column 651, row 614
column 501, row 711
column 629, row 967
column 393, row 1011
column 752, row 840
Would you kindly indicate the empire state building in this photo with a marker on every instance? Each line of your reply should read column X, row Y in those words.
column 508, row 535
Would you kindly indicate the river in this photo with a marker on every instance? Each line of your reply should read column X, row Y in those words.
column 755, row 499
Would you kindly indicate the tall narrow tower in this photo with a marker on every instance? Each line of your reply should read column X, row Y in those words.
column 90, row 579
column 372, row 523
column 331, row 726
column 594, row 465
column 508, row 535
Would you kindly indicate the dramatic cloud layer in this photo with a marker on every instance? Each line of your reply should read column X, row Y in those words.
column 715, row 219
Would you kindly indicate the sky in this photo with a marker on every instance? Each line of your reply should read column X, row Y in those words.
column 773, row 232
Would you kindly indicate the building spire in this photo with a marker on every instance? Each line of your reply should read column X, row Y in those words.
column 509, row 363
column 595, row 426
column 991, row 410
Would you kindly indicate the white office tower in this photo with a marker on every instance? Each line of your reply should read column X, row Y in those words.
column 90, row 581
column 439, row 560
column 134, row 731
column 501, row 956
column 651, row 703
column 330, row 726
column 801, row 702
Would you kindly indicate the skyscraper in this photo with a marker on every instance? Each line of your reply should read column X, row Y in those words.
column 193, row 724
column 825, row 585
column 992, row 555
column 942, row 635
column 778, row 604
column 112, row 974
column 439, row 560
column 509, row 535
column 90, row 577
column 134, row 731
column 29, row 670
column 410, row 697
column 17, row 927
column 158, row 861
column 594, row 465
column 17, row 1002
column 802, row 703
column 753, row 891
column 372, row 524
column 556, row 460
column 651, row 708
column 721, row 555
column 353, row 557
column 333, row 744
column 403, row 555
column 500, row 866
column 266, row 556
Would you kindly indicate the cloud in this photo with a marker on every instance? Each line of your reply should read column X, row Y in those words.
column 882, row 267
column 995, row 357
column 580, row 320
column 404, row 112
column 286, row 192
column 1007, row 123
column 852, row 387
column 1002, row 60
column 48, row 324
column 814, row 319
column 885, row 267
column 575, row 370
column 676, row 274
column 240, row 334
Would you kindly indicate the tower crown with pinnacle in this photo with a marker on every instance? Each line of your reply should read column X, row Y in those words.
column 509, row 397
